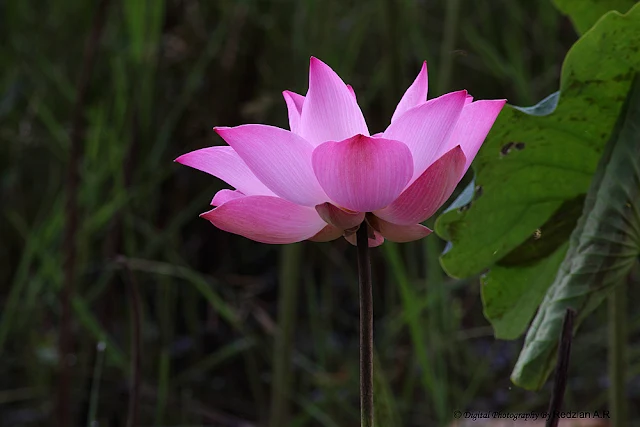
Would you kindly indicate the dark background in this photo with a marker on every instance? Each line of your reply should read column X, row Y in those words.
column 165, row 73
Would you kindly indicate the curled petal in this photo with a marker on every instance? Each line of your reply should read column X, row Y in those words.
column 473, row 126
column 330, row 111
column 427, row 193
column 374, row 241
column 362, row 173
column 339, row 217
column 426, row 128
column 266, row 219
column 328, row 233
column 226, row 164
column 415, row 95
column 398, row 233
column 223, row 196
column 279, row 158
column 294, row 107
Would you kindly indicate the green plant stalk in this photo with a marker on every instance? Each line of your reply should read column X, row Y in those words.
column 447, row 45
column 366, row 327
column 282, row 378
column 618, row 355
column 166, row 297
column 386, row 408
column 252, row 370
column 95, row 384
column 439, row 324
column 412, row 312
column 136, row 347
column 163, row 385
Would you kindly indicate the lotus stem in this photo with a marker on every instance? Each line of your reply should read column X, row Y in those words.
column 366, row 327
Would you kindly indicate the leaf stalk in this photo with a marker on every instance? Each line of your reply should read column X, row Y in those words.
column 366, row 327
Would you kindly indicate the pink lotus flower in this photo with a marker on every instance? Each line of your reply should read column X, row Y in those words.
column 325, row 176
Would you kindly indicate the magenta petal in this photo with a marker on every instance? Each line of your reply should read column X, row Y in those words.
column 375, row 242
column 399, row 233
column 473, row 126
column 427, row 193
column 294, row 106
column 223, row 196
column 226, row 164
column 353, row 92
column 425, row 129
column 328, row 233
column 266, row 219
column 279, row 158
column 330, row 111
column 362, row 173
column 415, row 95
column 338, row 217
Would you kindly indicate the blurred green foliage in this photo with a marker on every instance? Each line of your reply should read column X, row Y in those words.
column 166, row 73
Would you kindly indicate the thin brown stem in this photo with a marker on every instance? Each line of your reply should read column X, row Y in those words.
column 562, row 369
column 366, row 327
column 65, row 343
